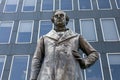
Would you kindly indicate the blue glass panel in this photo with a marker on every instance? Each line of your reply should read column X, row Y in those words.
column 4, row 34
column 10, row 8
column 2, row 59
column 0, row 1
column 47, row 5
column 24, row 37
column 28, row 8
column 103, row 4
column 118, row 3
column 94, row 72
column 115, row 70
column 45, row 27
column 85, row 4
column 19, row 68
column 66, row 4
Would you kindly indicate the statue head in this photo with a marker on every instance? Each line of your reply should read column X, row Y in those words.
column 60, row 19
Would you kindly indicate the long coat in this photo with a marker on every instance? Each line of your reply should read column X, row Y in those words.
column 54, row 59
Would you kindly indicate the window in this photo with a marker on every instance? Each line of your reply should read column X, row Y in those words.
column 109, row 29
column 25, row 31
column 19, row 68
column 94, row 72
column 66, row 4
column 88, row 29
column 11, row 6
column 114, row 65
column 104, row 4
column 70, row 25
column 2, row 64
column 0, row 1
column 85, row 4
column 47, row 5
column 45, row 27
column 118, row 3
column 29, row 5
column 6, row 30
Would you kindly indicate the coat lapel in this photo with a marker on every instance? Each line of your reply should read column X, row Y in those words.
column 53, row 34
column 68, row 34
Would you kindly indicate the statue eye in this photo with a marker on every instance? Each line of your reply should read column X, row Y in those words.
column 61, row 15
column 56, row 16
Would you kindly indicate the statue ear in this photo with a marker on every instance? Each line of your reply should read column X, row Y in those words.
column 52, row 19
column 67, row 19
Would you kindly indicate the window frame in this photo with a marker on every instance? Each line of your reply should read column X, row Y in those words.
column 73, row 24
column 66, row 10
column 109, row 63
column 115, row 29
column 31, row 32
column 85, row 9
column 47, row 10
column 40, row 26
column 8, row 11
column 116, row 4
column 100, row 68
column 104, row 8
column 12, row 65
column 3, row 66
column 96, row 36
column 10, row 32
column 29, row 11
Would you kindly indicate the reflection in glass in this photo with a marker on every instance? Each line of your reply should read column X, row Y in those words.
column 47, row 4
column 104, row 4
column 45, row 27
column 118, row 3
column 109, row 30
column 5, row 29
column 85, row 4
column 29, row 5
column 94, row 72
column 11, row 5
column 25, row 31
column 2, row 62
column 114, row 63
column 66, row 4
column 19, row 68
column 88, row 29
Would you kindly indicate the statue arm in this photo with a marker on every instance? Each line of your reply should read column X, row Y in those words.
column 37, row 59
column 92, row 54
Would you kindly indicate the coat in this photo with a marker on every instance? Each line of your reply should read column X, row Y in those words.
column 54, row 58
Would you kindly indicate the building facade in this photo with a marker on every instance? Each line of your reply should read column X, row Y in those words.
column 22, row 22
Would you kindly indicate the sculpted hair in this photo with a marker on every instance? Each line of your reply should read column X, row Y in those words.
column 67, row 18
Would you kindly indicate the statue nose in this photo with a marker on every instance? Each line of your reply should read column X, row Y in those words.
column 59, row 16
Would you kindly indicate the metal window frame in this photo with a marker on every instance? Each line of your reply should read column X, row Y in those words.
column 10, row 32
column 31, row 32
column 115, row 28
column 104, row 8
column 29, row 11
column 12, row 65
column 85, row 9
column 94, row 28
column 8, row 11
column 47, row 10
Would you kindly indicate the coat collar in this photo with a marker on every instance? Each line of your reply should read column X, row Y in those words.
column 54, row 35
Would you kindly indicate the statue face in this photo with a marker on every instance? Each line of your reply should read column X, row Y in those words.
column 60, row 18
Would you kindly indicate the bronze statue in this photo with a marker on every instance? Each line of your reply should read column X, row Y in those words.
column 57, row 54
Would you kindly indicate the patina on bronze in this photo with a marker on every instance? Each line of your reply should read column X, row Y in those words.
column 57, row 54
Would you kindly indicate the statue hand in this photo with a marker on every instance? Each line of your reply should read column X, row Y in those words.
column 76, row 54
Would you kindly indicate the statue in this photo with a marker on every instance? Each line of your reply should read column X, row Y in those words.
column 57, row 54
